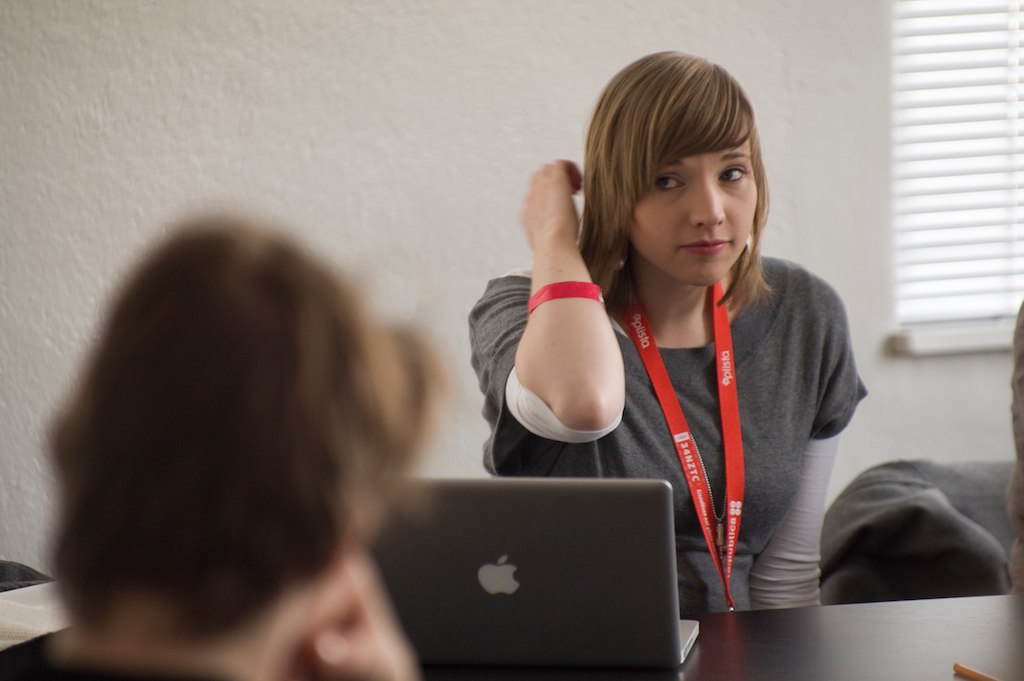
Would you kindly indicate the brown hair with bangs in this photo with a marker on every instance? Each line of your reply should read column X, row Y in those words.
column 661, row 108
column 242, row 412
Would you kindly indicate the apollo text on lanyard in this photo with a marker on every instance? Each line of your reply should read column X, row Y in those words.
column 720, row 534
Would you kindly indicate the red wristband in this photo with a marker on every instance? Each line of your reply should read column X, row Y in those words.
column 565, row 289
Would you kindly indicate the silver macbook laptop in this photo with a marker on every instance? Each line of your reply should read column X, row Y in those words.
column 538, row 571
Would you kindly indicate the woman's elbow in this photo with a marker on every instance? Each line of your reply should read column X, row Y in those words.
column 589, row 411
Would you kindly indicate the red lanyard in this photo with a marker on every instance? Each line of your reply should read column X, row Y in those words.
column 721, row 536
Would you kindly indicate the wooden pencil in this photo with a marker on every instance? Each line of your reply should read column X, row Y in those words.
column 972, row 674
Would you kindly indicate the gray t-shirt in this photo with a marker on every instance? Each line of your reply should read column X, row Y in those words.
column 796, row 380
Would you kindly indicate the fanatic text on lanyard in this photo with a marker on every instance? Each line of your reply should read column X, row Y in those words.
column 720, row 534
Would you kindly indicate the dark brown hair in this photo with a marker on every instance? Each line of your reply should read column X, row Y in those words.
column 657, row 110
column 241, row 411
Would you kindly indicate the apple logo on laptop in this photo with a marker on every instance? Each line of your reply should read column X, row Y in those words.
column 498, row 578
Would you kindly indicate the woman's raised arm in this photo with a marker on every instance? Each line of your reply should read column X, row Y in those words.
column 568, row 355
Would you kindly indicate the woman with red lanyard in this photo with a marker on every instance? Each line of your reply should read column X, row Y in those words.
column 652, row 340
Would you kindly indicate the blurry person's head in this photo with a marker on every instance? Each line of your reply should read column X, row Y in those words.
column 241, row 417
column 662, row 108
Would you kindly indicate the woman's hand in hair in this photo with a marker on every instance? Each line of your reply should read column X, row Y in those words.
column 549, row 214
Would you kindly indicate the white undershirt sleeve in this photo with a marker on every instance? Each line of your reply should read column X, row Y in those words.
column 536, row 416
column 787, row 573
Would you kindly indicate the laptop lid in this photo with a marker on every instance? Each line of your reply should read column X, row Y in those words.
column 538, row 571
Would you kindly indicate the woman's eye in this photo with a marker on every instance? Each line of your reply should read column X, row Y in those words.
column 666, row 182
column 733, row 174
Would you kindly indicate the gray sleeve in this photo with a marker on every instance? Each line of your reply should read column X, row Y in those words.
column 496, row 324
column 840, row 389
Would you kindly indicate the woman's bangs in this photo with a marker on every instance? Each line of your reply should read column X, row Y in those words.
column 712, row 120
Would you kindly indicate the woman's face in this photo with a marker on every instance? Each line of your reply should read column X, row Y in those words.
column 693, row 224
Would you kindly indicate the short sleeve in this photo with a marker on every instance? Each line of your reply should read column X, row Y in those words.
column 496, row 323
column 840, row 387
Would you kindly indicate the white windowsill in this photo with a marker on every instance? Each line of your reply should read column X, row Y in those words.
column 953, row 339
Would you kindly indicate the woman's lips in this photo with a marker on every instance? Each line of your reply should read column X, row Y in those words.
column 705, row 248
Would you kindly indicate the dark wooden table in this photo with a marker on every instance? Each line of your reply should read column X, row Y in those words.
column 895, row 641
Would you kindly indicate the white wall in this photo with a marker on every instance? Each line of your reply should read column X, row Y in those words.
column 397, row 138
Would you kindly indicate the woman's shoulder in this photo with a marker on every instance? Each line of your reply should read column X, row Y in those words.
column 793, row 284
column 514, row 281
column 512, row 285
column 503, row 302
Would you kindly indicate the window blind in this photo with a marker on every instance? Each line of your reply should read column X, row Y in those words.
column 958, row 165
